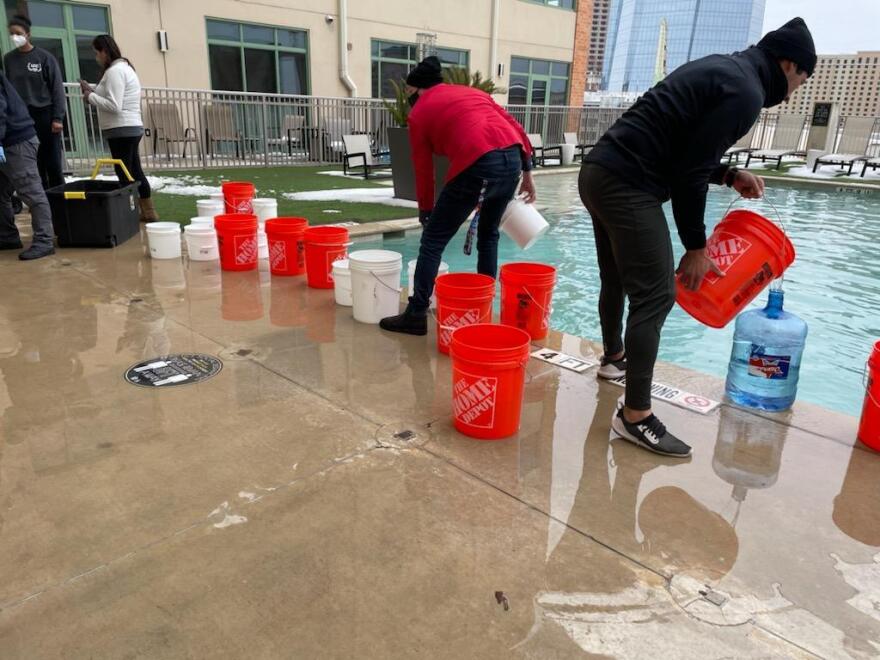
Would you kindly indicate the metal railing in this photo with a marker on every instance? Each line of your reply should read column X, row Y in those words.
column 198, row 129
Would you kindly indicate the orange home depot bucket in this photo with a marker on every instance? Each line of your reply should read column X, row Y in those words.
column 238, row 196
column 751, row 251
column 526, row 296
column 869, row 427
column 462, row 299
column 324, row 245
column 488, row 377
column 287, row 252
column 237, row 241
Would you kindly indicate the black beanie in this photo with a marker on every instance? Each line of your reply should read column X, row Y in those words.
column 794, row 42
column 427, row 73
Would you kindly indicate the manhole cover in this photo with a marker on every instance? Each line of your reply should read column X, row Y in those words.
column 171, row 370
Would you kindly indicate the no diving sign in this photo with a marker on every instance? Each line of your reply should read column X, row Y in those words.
column 677, row 397
column 171, row 370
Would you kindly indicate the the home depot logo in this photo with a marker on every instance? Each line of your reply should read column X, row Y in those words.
column 474, row 400
column 457, row 318
column 245, row 249
column 278, row 255
column 725, row 249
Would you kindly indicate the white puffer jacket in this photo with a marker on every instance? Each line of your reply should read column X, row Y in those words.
column 118, row 97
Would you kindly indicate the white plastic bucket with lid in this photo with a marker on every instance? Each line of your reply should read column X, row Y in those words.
column 265, row 208
column 208, row 208
column 523, row 223
column 219, row 196
column 201, row 242
column 411, row 269
column 567, row 152
column 163, row 239
column 342, row 283
column 201, row 221
column 375, row 284
column 262, row 243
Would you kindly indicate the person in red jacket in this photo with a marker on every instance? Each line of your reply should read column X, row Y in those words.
column 488, row 153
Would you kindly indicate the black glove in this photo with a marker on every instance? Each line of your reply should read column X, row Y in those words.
column 425, row 217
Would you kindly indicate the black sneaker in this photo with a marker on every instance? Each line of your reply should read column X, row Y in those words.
column 10, row 245
column 407, row 323
column 649, row 434
column 37, row 252
column 611, row 369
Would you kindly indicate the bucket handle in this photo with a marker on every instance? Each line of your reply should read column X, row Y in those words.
column 547, row 311
column 331, row 244
column 780, row 222
column 390, row 288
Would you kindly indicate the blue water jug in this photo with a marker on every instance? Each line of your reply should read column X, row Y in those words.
column 766, row 358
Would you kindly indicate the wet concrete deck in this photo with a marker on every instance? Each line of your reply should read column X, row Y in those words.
column 271, row 511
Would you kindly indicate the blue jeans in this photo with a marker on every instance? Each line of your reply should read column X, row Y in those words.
column 499, row 171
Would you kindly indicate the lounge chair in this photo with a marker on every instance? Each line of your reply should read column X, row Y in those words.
column 852, row 145
column 292, row 130
column 359, row 154
column 873, row 163
column 579, row 148
column 334, row 130
column 539, row 151
column 786, row 137
column 220, row 127
column 742, row 146
column 167, row 127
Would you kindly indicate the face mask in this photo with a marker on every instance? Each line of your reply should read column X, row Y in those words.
column 18, row 40
column 412, row 98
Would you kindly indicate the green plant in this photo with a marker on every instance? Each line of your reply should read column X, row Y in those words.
column 399, row 108
column 461, row 76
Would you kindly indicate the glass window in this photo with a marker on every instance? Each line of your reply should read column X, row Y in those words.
column 560, row 69
column 225, row 63
column 257, row 34
column 259, row 68
column 563, row 4
column 43, row 14
column 224, row 30
column 292, row 72
column 395, row 51
column 453, row 57
column 93, row 19
column 519, row 65
column 518, row 90
column 88, row 65
column 540, row 67
column 539, row 82
column 292, row 38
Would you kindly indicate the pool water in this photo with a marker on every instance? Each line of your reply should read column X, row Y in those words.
column 834, row 284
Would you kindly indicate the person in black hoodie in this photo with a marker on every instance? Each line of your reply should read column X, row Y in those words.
column 18, row 172
column 669, row 145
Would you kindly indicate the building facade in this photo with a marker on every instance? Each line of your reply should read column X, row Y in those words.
column 598, row 40
column 335, row 48
column 851, row 81
column 695, row 28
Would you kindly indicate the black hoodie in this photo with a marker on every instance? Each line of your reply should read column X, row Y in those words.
column 671, row 141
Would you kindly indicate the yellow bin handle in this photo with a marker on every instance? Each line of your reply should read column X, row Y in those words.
column 111, row 161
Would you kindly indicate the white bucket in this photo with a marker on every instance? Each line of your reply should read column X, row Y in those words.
column 220, row 196
column 375, row 284
column 201, row 242
column 265, row 208
column 444, row 269
column 208, row 208
column 567, row 152
column 164, row 240
column 262, row 243
column 342, row 282
column 523, row 223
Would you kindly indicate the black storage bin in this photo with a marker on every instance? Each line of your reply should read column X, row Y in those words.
column 90, row 213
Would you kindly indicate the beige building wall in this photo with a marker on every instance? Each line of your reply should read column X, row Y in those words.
column 852, row 81
column 525, row 29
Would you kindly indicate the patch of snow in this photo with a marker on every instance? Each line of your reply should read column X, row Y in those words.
column 185, row 185
column 807, row 172
column 331, row 211
column 356, row 195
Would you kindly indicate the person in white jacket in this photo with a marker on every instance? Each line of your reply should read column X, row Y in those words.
column 117, row 96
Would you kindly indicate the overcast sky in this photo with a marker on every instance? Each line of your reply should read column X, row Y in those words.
column 838, row 26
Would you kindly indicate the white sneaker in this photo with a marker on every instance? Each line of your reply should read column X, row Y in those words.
column 649, row 434
column 611, row 369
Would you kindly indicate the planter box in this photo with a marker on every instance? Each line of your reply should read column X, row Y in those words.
column 402, row 171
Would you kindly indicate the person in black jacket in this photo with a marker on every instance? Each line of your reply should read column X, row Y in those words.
column 37, row 77
column 18, row 172
column 669, row 146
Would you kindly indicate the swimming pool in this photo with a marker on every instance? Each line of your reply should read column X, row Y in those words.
column 834, row 284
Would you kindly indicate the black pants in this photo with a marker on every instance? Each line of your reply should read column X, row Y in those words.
column 126, row 150
column 635, row 261
column 498, row 172
column 49, row 155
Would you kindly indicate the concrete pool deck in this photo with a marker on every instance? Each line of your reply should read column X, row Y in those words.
column 279, row 509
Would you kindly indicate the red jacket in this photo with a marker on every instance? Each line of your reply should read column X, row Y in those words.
column 461, row 123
